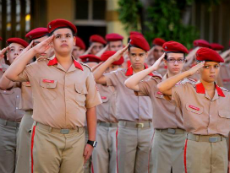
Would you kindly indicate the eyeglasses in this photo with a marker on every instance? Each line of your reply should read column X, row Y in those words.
column 179, row 61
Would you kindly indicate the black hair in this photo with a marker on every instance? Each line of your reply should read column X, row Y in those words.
column 130, row 45
column 50, row 34
column 166, row 54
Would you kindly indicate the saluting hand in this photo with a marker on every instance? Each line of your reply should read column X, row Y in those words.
column 87, row 152
column 28, row 47
column 119, row 53
column 3, row 51
column 43, row 46
column 195, row 68
column 156, row 65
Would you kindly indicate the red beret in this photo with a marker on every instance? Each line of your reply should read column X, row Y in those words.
column 206, row 54
column 201, row 43
column 61, row 23
column 80, row 43
column 89, row 58
column 0, row 38
column 173, row 46
column 135, row 33
column 37, row 33
column 108, row 54
column 139, row 41
column 158, row 41
column 17, row 40
column 216, row 46
column 114, row 37
column 97, row 38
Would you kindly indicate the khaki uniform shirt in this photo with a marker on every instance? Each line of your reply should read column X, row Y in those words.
column 225, row 75
column 165, row 113
column 9, row 101
column 129, row 107
column 61, row 98
column 203, row 115
column 106, row 110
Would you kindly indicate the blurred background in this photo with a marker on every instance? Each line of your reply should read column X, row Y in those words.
column 179, row 20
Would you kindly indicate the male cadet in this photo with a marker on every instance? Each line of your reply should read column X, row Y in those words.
column 191, row 58
column 65, row 97
column 79, row 48
column 26, row 103
column 206, row 114
column 168, row 141
column 134, row 114
column 10, row 115
column 104, row 156
column 156, row 51
column 97, row 43
column 114, row 41
column 92, row 61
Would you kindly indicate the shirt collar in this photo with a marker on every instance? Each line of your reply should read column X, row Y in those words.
column 129, row 71
column 201, row 90
column 54, row 61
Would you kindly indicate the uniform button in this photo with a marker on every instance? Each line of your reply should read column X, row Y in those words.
column 16, row 107
column 4, row 91
column 17, row 96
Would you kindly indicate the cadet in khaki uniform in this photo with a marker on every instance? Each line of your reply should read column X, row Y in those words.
column 10, row 115
column 206, row 113
column 79, row 48
column 134, row 114
column 97, row 43
column 168, row 142
column 24, row 134
column 114, row 41
column 104, row 155
column 65, row 97
column 91, row 61
column 156, row 51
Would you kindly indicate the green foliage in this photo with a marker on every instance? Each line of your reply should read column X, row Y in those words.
column 164, row 19
column 128, row 14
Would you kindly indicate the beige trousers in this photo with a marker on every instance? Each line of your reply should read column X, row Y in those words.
column 23, row 143
column 167, row 154
column 8, row 138
column 57, row 151
column 104, row 155
column 134, row 143
column 206, row 157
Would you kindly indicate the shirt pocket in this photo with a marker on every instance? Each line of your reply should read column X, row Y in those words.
column 48, row 88
column 81, row 92
column 224, row 114
column 194, row 109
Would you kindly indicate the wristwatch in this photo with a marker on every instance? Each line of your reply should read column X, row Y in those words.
column 92, row 143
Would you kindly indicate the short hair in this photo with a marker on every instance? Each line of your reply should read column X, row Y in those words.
column 62, row 28
column 129, row 47
column 166, row 54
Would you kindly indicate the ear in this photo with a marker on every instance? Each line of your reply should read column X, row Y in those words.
column 74, row 39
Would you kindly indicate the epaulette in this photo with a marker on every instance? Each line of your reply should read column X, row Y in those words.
column 42, row 59
column 156, row 74
column 86, row 66
column 224, row 89
column 192, row 80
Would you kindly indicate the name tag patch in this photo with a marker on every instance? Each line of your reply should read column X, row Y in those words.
column 194, row 107
column 47, row 81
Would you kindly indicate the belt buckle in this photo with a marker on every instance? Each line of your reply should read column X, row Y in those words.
column 64, row 131
column 213, row 139
column 172, row 131
column 140, row 125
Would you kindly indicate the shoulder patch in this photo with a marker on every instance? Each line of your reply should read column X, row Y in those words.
column 86, row 66
column 224, row 89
